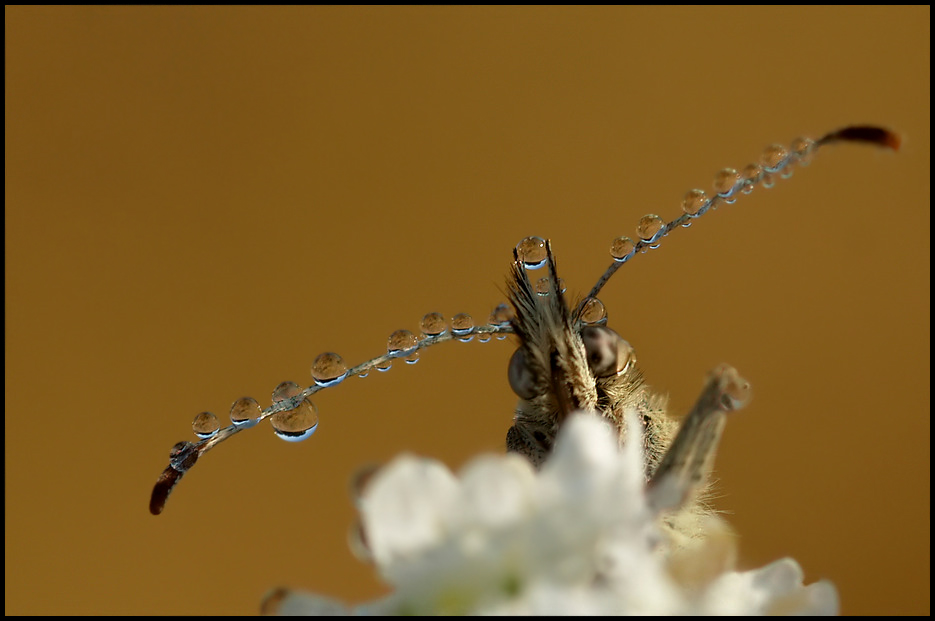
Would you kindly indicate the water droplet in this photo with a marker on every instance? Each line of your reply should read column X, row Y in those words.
column 245, row 412
column 363, row 374
column 383, row 367
column 531, row 251
column 401, row 343
column 500, row 315
column 462, row 325
column 750, row 175
column 726, row 182
column 803, row 149
column 593, row 312
column 483, row 337
column 786, row 172
column 768, row 181
column 543, row 286
column 328, row 369
column 285, row 390
column 622, row 248
column 296, row 424
column 412, row 358
column 433, row 324
column 651, row 228
column 695, row 202
column 205, row 425
column 774, row 157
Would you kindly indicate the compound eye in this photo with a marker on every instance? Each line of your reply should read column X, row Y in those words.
column 607, row 353
column 522, row 379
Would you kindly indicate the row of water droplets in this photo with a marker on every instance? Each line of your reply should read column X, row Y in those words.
column 729, row 183
column 294, row 417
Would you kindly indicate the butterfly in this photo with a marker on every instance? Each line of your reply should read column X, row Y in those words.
column 567, row 359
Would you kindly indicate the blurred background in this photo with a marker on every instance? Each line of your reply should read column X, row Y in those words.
column 201, row 200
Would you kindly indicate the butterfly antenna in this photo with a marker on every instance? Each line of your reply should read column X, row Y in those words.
column 293, row 415
column 776, row 160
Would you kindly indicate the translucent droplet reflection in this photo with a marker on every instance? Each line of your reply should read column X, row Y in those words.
column 296, row 424
column 774, row 157
column 245, row 412
column 593, row 312
column 695, row 202
column 285, row 390
column 750, row 176
column 543, row 286
column 462, row 325
column 401, row 343
column 500, row 315
column 205, row 425
column 650, row 228
column 328, row 369
column 622, row 249
column 726, row 182
column 802, row 148
column 531, row 251
column 412, row 358
column 433, row 324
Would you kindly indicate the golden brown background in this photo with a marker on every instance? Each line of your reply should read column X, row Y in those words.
column 199, row 201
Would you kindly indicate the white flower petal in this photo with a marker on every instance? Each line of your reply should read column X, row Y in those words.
column 406, row 508
column 496, row 491
column 576, row 538
column 774, row 589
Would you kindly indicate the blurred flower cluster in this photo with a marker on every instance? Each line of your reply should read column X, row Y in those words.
column 577, row 537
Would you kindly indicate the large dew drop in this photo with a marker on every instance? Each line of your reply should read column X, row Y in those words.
column 433, row 324
column 296, row 424
column 774, row 157
column 205, row 425
column 401, row 343
column 651, row 228
column 328, row 369
column 593, row 312
column 461, row 326
column 500, row 315
column 726, row 183
column 695, row 202
column 285, row 390
column 245, row 412
column 622, row 249
column 531, row 251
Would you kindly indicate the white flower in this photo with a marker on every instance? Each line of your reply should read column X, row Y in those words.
column 575, row 538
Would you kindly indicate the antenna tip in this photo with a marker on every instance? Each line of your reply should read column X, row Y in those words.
column 870, row 134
